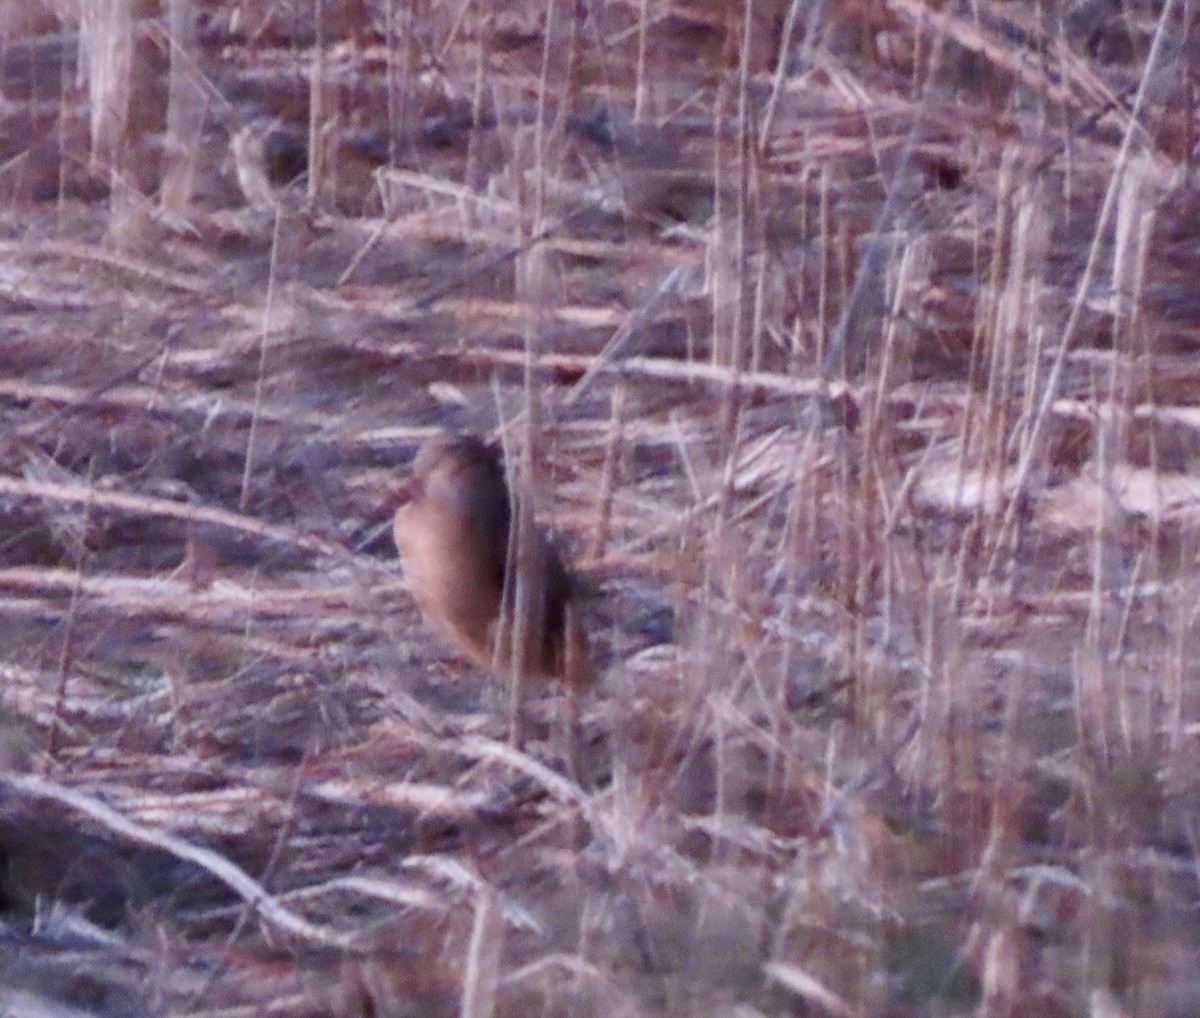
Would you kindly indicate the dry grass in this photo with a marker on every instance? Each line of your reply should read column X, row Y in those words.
column 852, row 349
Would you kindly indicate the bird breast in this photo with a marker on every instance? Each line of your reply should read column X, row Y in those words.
column 452, row 576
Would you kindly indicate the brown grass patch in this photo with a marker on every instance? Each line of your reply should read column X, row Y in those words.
column 857, row 348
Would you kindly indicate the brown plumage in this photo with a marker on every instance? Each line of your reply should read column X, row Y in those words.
column 452, row 536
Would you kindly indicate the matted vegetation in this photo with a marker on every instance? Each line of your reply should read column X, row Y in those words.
column 855, row 349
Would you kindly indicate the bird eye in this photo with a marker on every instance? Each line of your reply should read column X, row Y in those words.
column 411, row 490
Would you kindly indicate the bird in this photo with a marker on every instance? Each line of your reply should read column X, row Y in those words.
column 452, row 535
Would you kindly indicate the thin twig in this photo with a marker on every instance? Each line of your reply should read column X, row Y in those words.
column 228, row 873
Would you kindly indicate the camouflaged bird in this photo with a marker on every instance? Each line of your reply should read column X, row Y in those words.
column 452, row 534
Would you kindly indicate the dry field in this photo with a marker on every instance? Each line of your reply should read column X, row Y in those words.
column 848, row 347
